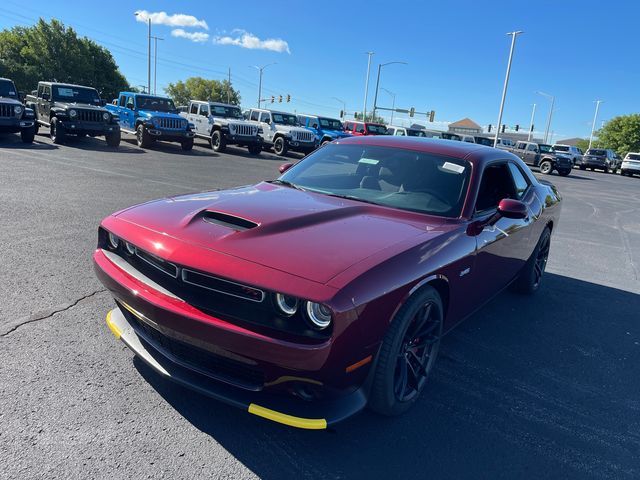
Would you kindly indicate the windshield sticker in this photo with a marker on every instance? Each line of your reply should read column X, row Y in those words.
column 368, row 161
column 65, row 92
column 452, row 167
column 219, row 110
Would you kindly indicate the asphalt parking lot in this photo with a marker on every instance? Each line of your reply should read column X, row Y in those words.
column 529, row 387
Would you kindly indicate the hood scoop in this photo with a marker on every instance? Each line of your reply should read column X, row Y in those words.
column 230, row 221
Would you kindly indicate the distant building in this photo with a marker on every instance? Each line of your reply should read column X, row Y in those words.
column 466, row 126
column 570, row 141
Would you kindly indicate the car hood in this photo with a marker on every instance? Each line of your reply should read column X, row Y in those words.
column 84, row 106
column 289, row 128
column 10, row 100
column 310, row 235
column 152, row 113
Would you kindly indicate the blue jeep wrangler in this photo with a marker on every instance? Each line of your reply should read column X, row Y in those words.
column 328, row 129
column 151, row 118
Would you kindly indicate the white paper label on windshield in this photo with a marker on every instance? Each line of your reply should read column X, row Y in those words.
column 369, row 161
column 453, row 167
column 65, row 92
column 218, row 110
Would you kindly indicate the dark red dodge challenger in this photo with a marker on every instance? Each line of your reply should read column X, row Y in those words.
column 306, row 298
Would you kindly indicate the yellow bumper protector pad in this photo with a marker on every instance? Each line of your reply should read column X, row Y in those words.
column 112, row 326
column 308, row 423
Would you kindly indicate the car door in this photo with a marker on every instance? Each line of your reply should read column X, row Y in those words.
column 44, row 103
column 202, row 119
column 502, row 248
column 126, row 113
column 266, row 123
column 531, row 154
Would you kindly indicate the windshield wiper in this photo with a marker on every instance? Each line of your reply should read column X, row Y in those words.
column 351, row 197
column 286, row 184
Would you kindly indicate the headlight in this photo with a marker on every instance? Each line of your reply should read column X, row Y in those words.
column 287, row 304
column 105, row 116
column 131, row 250
column 17, row 109
column 260, row 130
column 113, row 241
column 73, row 113
column 319, row 314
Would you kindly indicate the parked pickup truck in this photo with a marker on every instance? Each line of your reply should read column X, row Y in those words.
column 67, row 109
column 151, row 118
column 14, row 117
column 542, row 156
column 280, row 130
column 328, row 129
column 223, row 124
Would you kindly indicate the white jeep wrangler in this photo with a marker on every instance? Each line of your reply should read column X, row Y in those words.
column 280, row 130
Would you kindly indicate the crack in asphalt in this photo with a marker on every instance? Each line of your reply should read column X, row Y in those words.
column 43, row 315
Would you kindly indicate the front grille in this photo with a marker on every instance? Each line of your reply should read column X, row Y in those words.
column 222, row 286
column 241, row 129
column 159, row 263
column 215, row 366
column 6, row 110
column 90, row 116
column 303, row 136
column 170, row 123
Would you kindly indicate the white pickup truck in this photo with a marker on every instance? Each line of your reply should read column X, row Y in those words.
column 223, row 124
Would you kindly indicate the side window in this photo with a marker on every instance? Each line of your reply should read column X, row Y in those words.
column 520, row 181
column 521, row 145
column 47, row 90
column 204, row 110
column 349, row 127
column 194, row 108
column 40, row 90
column 265, row 117
column 123, row 100
column 496, row 185
column 254, row 115
column 531, row 148
column 399, row 133
column 360, row 128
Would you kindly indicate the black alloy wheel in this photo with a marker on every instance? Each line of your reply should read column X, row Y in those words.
column 542, row 256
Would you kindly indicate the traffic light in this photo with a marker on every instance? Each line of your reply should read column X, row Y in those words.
column 517, row 128
column 341, row 113
column 273, row 99
column 432, row 114
column 412, row 112
column 288, row 98
column 531, row 129
column 489, row 129
column 280, row 99
column 504, row 127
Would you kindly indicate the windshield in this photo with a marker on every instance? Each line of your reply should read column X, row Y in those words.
column 391, row 177
column 596, row 152
column 330, row 124
column 75, row 94
column 560, row 148
column 377, row 129
column 633, row 156
column 285, row 119
column 226, row 112
column 415, row 133
column 156, row 104
column 484, row 141
column 546, row 148
column 8, row 89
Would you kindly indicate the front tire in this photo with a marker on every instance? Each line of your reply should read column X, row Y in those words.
column 546, row 167
column 408, row 353
column 218, row 143
column 187, row 145
column 280, row 147
column 531, row 275
column 113, row 139
column 143, row 139
column 27, row 134
column 255, row 149
column 56, row 131
column 564, row 173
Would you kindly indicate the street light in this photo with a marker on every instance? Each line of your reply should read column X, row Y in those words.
column 148, row 53
column 506, row 83
column 553, row 100
column 393, row 103
column 261, row 69
column 366, row 87
column 593, row 125
column 533, row 114
column 344, row 105
column 375, row 98
column 155, row 61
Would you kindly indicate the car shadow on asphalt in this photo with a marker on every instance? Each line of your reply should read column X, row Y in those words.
column 13, row 141
column 541, row 386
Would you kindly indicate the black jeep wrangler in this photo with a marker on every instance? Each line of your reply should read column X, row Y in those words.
column 15, row 117
column 67, row 109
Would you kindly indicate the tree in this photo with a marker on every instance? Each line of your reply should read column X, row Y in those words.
column 621, row 134
column 370, row 118
column 53, row 52
column 583, row 144
column 198, row 88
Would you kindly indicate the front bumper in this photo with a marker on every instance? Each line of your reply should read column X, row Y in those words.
column 93, row 129
column 593, row 163
column 14, row 125
column 170, row 135
column 286, row 410
column 243, row 139
column 301, row 146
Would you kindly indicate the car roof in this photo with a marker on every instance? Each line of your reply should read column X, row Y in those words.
column 145, row 94
column 66, row 84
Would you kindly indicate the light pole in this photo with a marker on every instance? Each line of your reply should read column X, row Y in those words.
column 261, row 69
column 593, row 125
column 533, row 114
column 393, row 103
column 375, row 98
column 344, row 106
column 148, row 53
column 506, row 83
column 155, row 61
column 366, row 87
column 553, row 101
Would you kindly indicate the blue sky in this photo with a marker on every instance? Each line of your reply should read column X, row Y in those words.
column 456, row 52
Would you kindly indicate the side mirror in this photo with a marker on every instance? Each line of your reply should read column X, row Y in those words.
column 285, row 166
column 267, row 121
column 103, row 102
column 21, row 96
column 45, row 96
column 510, row 208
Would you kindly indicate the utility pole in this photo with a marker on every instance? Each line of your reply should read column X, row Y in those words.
column 229, row 87
column 393, row 103
column 148, row 53
column 533, row 114
column 593, row 125
column 261, row 69
column 506, row 83
column 375, row 98
column 155, row 61
column 366, row 87
column 553, row 101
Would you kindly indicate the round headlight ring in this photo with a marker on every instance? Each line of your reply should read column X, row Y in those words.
column 17, row 109
column 73, row 113
column 287, row 304
column 105, row 116
column 319, row 315
column 113, row 241
column 131, row 249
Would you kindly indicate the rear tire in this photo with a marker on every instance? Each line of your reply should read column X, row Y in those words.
column 56, row 131
column 530, row 277
column 218, row 143
column 280, row 147
column 546, row 167
column 27, row 134
column 408, row 353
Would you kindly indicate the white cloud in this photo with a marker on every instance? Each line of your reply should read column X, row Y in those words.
column 193, row 36
column 175, row 20
column 249, row 40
